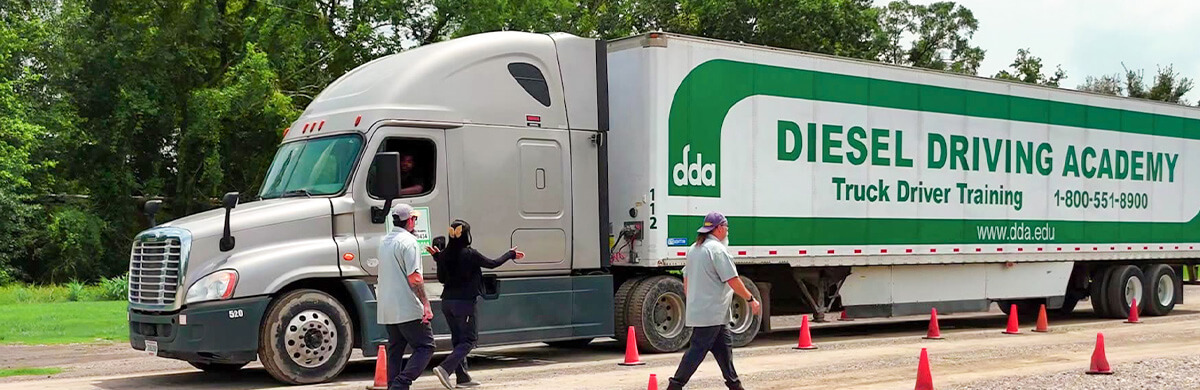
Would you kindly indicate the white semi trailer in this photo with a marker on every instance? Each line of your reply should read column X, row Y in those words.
column 849, row 185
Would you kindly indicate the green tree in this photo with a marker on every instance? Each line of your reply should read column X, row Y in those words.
column 1168, row 86
column 32, row 119
column 940, row 36
column 1106, row 84
column 1027, row 68
column 838, row 27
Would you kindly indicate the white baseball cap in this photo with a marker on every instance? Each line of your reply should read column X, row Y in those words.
column 402, row 211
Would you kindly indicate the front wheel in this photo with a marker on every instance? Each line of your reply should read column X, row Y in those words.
column 305, row 338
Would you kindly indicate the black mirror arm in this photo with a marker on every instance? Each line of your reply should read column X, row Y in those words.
column 227, row 240
column 379, row 215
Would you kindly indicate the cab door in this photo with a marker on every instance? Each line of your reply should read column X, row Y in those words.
column 513, row 185
column 424, row 149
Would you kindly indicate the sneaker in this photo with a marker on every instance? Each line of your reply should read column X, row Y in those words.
column 443, row 377
column 469, row 385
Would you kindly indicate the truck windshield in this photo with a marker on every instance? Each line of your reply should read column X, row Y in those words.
column 312, row 167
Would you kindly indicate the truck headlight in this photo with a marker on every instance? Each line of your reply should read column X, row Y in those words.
column 217, row 285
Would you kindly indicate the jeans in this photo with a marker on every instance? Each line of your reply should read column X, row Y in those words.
column 464, row 333
column 417, row 335
column 715, row 339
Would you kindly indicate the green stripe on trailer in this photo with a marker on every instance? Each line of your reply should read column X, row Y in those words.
column 784, row 231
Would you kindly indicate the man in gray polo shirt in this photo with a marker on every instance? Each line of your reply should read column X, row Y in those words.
column 710, row 279
column 402, row 305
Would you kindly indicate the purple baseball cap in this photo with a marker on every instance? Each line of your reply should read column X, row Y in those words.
column 712, row 221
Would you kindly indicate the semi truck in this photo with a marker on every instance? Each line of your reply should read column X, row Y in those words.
column 852, row 186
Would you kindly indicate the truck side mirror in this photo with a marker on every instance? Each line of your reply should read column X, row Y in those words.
column 150, row 208
column 386, row 183
column 229, row 201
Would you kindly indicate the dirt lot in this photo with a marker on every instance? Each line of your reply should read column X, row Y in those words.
column 1161, row 353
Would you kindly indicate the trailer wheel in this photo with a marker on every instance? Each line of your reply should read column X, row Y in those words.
column 1099, row 289
column 1160, row 296
column 305, row 338
column 657, row 312
column 1125, row 284
column 744, row 324
column 621, row 307
column 218, row 368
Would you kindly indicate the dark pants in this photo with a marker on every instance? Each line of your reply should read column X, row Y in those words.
column 715, row 339
column 417, row 335
column 464, row 333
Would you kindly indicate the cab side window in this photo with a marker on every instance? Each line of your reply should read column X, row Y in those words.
column 418, row 166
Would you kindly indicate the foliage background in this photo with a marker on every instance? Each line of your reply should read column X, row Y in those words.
column 107, row 103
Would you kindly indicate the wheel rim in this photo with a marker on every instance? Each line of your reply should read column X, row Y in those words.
column 667, row 316
column 1133, row 290
column 310, row 338
column 740, row 316
column 1166, row 290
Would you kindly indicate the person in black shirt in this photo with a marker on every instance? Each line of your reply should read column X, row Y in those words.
column 411, row 178
column 459, row 268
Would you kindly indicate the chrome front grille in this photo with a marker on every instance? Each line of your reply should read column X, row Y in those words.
column 156, row 266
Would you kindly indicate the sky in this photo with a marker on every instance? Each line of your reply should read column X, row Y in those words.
column 1089, row 37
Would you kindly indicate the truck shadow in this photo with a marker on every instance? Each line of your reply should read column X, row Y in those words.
column 361, row 370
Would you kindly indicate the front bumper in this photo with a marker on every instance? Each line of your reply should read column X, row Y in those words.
column 208, row 332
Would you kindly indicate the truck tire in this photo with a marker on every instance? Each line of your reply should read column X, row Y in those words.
column 218, row 368
column 744, row 324
column 1125, row 284
column 657, row 312
column 305, row 338
column 621, row 307
column 1099, row 288
column 1160, row 294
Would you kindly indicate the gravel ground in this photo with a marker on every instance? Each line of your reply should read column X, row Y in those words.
column 1152, row 374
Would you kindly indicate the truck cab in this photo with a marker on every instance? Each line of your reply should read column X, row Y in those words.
column 505, row 130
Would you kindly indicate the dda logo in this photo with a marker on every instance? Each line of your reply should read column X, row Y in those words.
column 694, row 174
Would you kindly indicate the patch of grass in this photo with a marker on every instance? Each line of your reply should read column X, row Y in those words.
column 28, row 371
column 64, row 322
column 107, row 290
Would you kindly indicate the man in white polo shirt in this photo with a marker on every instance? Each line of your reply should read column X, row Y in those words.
column 402, row 305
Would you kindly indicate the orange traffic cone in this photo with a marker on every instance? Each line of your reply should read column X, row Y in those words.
column 924, row 377
column 631, row 352
column 1042, row 324
column 1099, row 361
column 1012, row 321
column 381, row 379
column 653, row 383
column 1133, row 313
column 935, row 332
column 805, row 337
column 844, row 318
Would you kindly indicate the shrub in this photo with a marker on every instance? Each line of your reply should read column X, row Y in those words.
column 75, row 291
column 23, row 295
column 115, row 288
